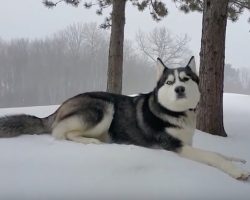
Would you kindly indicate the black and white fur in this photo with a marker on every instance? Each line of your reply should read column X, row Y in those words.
column 165, row 117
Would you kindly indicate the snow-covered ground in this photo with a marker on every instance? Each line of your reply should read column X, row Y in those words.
column 41, row 168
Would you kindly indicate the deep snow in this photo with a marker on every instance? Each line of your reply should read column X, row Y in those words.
column 39, row 167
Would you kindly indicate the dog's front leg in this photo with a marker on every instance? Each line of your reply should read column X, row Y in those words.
column 213, row 159
column 234, row 159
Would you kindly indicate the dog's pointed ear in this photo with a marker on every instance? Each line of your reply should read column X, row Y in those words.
column 160, row 68
column 191, row 64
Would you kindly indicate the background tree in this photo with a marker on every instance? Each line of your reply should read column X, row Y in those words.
column 117, row 22
column 212, row 58
column 232, row 82
column 212, row 55
column 160, row 42
column 245, row 78
column 115, row 61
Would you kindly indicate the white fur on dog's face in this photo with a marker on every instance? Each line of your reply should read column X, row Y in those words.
column 168, row 98
column 180, row 77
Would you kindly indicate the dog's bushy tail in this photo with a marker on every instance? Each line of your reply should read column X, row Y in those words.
column 15, row 125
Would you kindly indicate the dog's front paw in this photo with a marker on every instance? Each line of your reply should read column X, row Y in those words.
column 238, row 160
column 243, row 161
column 240, row 174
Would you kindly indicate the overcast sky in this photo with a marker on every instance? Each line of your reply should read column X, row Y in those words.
column 31, row 19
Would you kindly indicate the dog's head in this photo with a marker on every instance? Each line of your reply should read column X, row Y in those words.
column 177, row 89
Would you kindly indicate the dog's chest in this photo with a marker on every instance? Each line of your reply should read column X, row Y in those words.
column 185, row 127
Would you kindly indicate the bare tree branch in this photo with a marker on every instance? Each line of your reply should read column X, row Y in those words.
column 162, row 43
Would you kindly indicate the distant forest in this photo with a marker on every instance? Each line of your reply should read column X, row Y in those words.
column 48, row 71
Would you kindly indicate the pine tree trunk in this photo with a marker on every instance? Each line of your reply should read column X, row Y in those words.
column 114, row 83
column 212, row 55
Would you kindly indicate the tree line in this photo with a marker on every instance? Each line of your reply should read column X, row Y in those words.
column 75, row 60
column 237, row 80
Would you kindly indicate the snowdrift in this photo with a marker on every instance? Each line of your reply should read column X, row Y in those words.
column 39, row 167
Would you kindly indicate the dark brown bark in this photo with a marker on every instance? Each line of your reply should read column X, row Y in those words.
column 114, row 83
column 212, row 56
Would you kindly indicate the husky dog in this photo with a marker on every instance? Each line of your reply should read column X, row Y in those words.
column 165, row 117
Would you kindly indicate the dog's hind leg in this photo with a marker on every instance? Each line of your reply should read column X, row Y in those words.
column 67, row 125
column 215, row 160
column 76, row 130
column 87, row 127
column 77, row 136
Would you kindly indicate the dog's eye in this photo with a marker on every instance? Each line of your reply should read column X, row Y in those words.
column 185, row 79
column 169, row 82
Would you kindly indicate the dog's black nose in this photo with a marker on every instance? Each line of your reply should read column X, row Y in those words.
column 180, row 90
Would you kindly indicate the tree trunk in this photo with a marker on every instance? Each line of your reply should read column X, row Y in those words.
column 212, row 55
column 114, row 83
